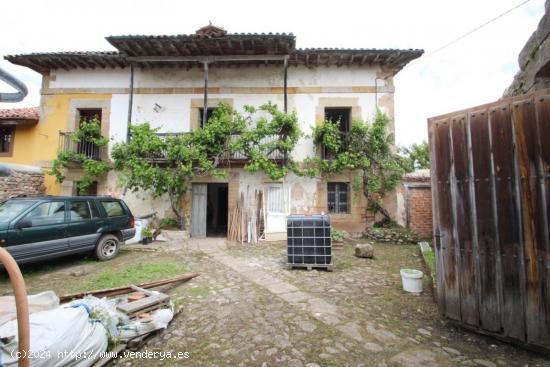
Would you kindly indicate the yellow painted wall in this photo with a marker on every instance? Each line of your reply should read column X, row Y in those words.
column 37, row 145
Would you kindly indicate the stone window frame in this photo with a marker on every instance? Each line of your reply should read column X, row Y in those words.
column 9, row 153
column 87, row 104
column 336, row 102
column 198, row 103
column 349, row 201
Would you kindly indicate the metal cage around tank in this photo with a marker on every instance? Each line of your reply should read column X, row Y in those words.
column 309, row 241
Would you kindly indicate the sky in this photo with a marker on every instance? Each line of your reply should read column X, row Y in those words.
column 473, row 71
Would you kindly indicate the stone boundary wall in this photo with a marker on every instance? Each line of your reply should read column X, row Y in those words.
column 20, row 180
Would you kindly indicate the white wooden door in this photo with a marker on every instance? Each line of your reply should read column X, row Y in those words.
column 276, row 218
column 198, row 210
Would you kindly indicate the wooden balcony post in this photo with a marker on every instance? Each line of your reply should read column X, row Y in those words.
column 205, row 103
column 285, row 84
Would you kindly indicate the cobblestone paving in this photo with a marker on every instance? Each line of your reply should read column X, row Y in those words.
column 248, row 309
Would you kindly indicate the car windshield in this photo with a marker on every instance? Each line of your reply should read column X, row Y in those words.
column 9, row 209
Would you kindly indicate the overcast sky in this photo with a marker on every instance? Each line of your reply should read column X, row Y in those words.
column 475, row 70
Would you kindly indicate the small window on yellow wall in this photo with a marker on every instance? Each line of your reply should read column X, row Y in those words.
column 6, row 140
column 338, row 197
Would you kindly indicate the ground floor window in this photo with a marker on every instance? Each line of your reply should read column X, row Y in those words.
column 338, row 197
column 6, row 140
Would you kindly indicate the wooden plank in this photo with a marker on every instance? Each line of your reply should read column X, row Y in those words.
column 442, row 148
column 144, row 303
column 507, row 224
column 440, row 289
column 529, row 121
column 124, row 290
column 467, row 268
column 481, row 153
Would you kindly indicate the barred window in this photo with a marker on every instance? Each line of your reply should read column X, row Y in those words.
column 338, row 197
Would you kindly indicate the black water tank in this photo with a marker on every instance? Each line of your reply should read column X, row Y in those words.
column 309, row 242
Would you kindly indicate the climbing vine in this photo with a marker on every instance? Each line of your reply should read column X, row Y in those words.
column 88, row 134
column 367, row 148
column 168, row 164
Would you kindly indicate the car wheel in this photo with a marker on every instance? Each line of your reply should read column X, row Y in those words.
column 107, row 247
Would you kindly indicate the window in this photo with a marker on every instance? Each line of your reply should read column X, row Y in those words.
column 93, row 207
column 112, row 208
column 87, row 114
column 6, row 140
column 91, row 191
column 275, row 201
column 338, row 197
column 47, row 214
column 209, row 112
column 79, row 211
column 341, row 115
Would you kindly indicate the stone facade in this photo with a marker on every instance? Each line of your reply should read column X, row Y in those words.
column 534, row 61
column 20, row 180
column 417, row 194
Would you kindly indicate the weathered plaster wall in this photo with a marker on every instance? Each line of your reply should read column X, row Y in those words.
column 167, row 98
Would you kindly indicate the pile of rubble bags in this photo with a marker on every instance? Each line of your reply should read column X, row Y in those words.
column 79, row 333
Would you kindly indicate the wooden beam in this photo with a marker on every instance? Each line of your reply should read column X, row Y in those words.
column 209, row 59
column 364, row 59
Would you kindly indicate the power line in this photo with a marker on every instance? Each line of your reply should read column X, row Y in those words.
column 473, row 30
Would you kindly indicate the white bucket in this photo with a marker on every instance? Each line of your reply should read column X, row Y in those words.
column 412, row 280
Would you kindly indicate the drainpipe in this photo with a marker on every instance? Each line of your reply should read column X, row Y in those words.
column 130, row 103
column 22, row 90
column 205, row 102
column 21, row 305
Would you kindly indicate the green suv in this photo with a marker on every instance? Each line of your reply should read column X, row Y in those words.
column 41, row 228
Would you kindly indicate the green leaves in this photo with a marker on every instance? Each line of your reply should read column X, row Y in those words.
column 367, row 147
column 89, row 132
column 417, row 156
column 167, row 164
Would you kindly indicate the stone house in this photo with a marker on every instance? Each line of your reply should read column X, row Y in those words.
column 174, row 82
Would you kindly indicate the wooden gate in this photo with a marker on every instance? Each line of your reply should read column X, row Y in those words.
column 491, row 205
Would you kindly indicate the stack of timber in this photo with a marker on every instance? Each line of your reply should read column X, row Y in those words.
column 245, row 222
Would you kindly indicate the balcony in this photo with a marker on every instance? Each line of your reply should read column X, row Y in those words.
column 236, row 157
column 88, row 149
column 330, row 155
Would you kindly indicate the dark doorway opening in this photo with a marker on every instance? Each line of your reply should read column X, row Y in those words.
column 216, row 209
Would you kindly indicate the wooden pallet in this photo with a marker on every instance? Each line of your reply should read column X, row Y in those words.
column 310, row 267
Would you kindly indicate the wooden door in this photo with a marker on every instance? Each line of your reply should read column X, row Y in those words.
column 198, row 211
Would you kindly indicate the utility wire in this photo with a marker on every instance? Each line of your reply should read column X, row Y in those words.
column 473, row 30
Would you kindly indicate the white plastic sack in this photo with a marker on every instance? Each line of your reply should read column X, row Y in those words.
column 37, row 302
column 59, row 337
column 159, row 320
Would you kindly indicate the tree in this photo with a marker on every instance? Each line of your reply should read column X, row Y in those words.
column 417, row 156
column 167, row 165
column 368, row 148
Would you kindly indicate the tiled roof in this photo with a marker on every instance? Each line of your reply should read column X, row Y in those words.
column 29, row 113
column 211, row 41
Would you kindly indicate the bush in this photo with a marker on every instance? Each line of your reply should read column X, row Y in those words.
column 166, row 223
column 336, row 235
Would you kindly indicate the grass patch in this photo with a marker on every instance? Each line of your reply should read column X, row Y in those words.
column 429, row 258
column 133, row 274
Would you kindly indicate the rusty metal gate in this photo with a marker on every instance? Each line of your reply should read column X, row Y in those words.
column 491, row 205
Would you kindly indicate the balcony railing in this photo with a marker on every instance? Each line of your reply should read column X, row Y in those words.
column 67, row 144
column 239, row 157
column 330, row 155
